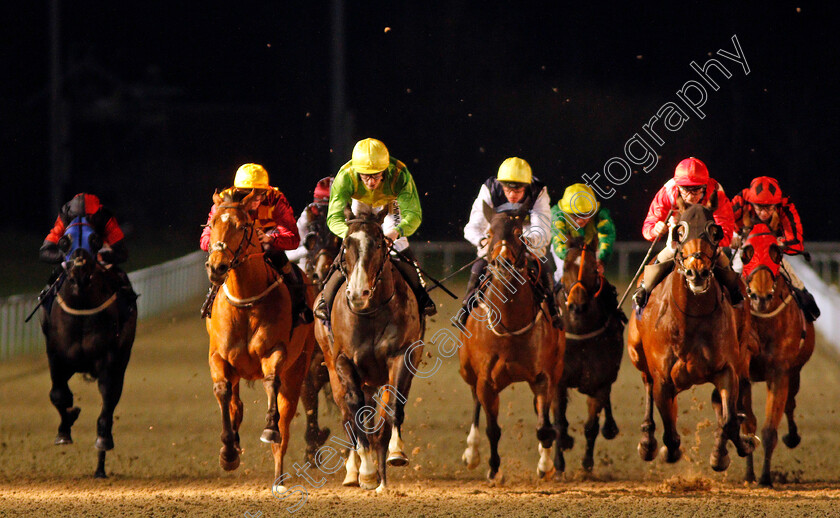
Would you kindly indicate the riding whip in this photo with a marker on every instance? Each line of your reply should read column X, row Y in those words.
column 437, row 282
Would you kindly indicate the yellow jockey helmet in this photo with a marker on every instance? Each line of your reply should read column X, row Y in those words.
column 370, row 156
column 514, row 169
column 251, row 176
column 579, row 199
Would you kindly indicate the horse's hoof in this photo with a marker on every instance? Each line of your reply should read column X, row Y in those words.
column 747, row 445
column 587, row 464
column 609, row 430
column 670, row 456
column 100, row 474
column 471, row 459
column 647, row 449
column 766, row 481
column 719, row 463
column 381, row 488
column 546, row 475
column 277, row 490
column 368, row 481
column 567, row 442
column 270, row 436
column 228, row 462
column 351, row 479
column 104, row 443
column 63, row 438
column 791, row 440
column 397, row 459
column 496, row 479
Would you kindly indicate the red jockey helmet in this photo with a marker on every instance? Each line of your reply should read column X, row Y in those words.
column 764, row 191
column 322, row 190
column 691, row 171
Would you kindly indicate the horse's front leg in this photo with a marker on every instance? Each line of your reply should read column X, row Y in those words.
column 315, row 436
column 777, row 398
column 221, row 372
column 488, row 396
column 792, row 438
column 647, row 444
column 728, row 385
column 272, row 366
column 471, row 456
column 62, row 399
column 110, row 388
column 749, row 424
column 543, row 390
column 354, row 401
column 561, row 426
column 594, row 404
column 664, row 395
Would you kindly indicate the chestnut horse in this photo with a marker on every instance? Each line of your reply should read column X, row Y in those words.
column 785, row 338
column 251, row 333
column 86, row 333
column 594, row 346
column 689, row 334
column 322, row 248
column 509, row 340
column 371, row 347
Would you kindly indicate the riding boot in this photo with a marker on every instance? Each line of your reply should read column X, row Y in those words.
column 297, row 292
column 547, row 288
column 334, row 281
column 207, row 307
column 412, row 277
column 653, row 275
column 732, row 281
column 472, row 288
column 807, row 303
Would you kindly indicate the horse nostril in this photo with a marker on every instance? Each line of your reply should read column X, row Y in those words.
column 690, row 274
column 705, row 274
column 365, row 293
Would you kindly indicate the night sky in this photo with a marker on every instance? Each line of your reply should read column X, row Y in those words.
column 162, row 102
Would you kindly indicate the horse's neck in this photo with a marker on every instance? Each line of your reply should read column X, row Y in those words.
column 252, row 273
column 97, row 291
column 510, row 293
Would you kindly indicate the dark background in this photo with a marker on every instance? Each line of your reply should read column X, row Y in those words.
column 162, row 102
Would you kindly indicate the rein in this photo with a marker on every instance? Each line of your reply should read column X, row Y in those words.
column 506, row 332
column 579, row 282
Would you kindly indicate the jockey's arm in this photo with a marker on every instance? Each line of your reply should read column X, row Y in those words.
column 284, row 236
column 606, row 235
column 408, row 200
column 476, row 228
column 300, row 252
column 724, row 217
column 538, row 231
column 341, row 194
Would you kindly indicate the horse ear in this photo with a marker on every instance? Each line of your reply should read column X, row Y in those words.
column 348, row 212
column 712, row 205
column 488, row 211
column 217, row 199
column 747, row 254
column 715, row 232
column 247, row 199
column 380, row 217
column 775, row 253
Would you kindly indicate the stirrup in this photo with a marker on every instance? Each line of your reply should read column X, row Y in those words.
column 640, row 297
column 321, row 311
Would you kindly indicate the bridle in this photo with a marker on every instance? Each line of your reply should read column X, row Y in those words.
column 342, row 267
column 237, row 258
column 578, row 284
column 679, row 257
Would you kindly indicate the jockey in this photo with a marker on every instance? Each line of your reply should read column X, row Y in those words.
column 578, row 215
column 513, row 184
column 373, row 179
column 691, row 182
column 318, row 207
column 105, row 226
column 276, row 229
column 763, row 202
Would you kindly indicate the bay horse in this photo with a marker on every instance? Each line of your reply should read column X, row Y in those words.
column 371, row 347
column 594, row 347
column 322, row 248
column 508, row 341
column 689, row 334
column 786, row 341
column 86, row 332
column 251, row 333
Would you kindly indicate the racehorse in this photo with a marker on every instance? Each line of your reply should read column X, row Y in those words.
column 372, row 347
column 689, row 334
column 322, row 248
column 86, row 332
column 251, row 333
column 786, row 341
column 594, row 346
column 509, row 342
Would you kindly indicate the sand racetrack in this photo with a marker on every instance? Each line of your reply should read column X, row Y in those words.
column 167, row 441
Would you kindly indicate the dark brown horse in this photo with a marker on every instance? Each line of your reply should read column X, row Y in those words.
column 689, row 334
column 86, row 332
column 251, row 333
column 322, row 248
column 509, row 338
column 594, row 346
column 785, row 338
column 372, row 342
